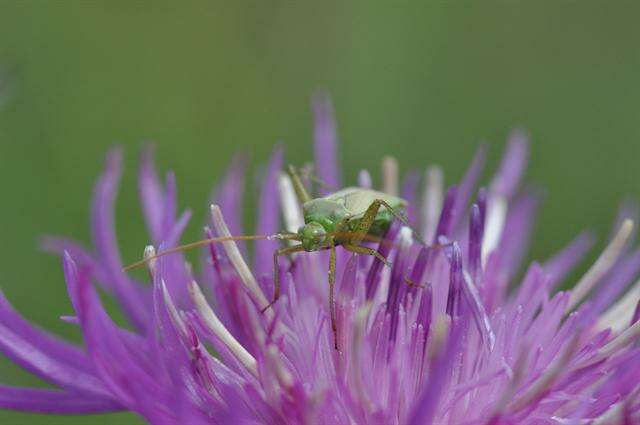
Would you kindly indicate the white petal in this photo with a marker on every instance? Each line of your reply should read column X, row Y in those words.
column 290, row 206
column 619, row 315
column 603, row 264
column 214, row 324
column 432, row 201
column 236, row 259
column 390, row 175
column 364, row 179
column 496, row 216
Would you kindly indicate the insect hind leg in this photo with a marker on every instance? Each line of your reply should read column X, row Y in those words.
column 358, row 249
column 370, row 216
column 401, row 218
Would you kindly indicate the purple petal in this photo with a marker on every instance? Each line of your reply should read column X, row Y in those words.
column 118, row 369
column 82, row 257
column 151, row 194
column 636, row 314
column 53, row 401
column 564, row 261
column 619, row 278
column 54, row 347
column 455, row 282
column 445, row 224
column 426, row 405
column 476, row 230
column 325, row 141
column 373, row 276
column 104, row 239
column 229, row 197
column 88, row 262
column 269, row 216
column 30, row 355
column 170, row 205
column 167, row 344
column 364, row 179
column 517, row 231
column 478, row 312
column 409, row 193
column 507, row 179
column 44, row 355
column 467, row 186
column 176, row 274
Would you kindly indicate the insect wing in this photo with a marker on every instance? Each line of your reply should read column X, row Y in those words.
column 356, row 200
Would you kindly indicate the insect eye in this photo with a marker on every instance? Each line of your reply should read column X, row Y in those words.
column 318, row 231
column 313, row 231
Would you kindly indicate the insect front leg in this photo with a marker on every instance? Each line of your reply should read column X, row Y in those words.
column 276, row 271
column 298, row 186
column 332, row 303
column 308, row 173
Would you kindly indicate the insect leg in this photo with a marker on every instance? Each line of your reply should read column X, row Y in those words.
column 308, row 173
column 276, row 271
column 298, row 186
column 332, row 303
column 370, row 216
column 402, row 218
column 358, row 249
column 365, row 223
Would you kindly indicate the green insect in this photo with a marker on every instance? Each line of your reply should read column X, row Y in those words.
column 344, row 218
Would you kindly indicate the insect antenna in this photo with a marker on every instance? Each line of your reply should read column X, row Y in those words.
column 307, row 172
column 204, row 242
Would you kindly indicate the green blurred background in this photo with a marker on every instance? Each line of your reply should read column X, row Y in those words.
column 423, row 81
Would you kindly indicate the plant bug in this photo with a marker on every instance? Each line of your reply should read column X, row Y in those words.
column 347, row 218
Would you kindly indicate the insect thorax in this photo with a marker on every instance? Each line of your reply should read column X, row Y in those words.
column 330, row 214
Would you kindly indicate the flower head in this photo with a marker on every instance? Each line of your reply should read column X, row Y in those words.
column 457, row 347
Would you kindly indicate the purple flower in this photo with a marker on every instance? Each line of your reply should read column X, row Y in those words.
column 471, row 344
